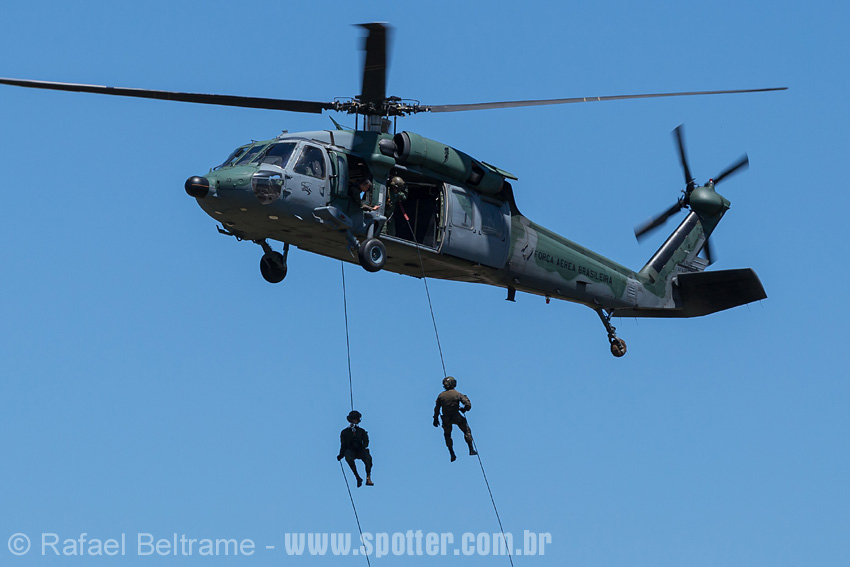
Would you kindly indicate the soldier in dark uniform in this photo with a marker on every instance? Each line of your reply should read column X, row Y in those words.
column 454, row 405
column 396, row 194
column 354, row 444
column 360, row 193
column 360, row 186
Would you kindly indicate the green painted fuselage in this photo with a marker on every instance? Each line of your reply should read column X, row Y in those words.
column 460, row 222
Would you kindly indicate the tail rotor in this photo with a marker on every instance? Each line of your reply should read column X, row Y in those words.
column 709, row 200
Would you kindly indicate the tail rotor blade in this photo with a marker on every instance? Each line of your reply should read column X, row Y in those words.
column 742, row 163
column 680, row 142
column 657, row 221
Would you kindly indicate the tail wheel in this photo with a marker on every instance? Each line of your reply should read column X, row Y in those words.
column 273, row 267
column 618, row 347
column 372, row 255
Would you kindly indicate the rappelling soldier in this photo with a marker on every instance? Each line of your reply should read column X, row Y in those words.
column 454, row 405
column 354, row 444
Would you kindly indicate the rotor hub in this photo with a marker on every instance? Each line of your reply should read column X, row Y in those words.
column 392, row 106
column 706, row 201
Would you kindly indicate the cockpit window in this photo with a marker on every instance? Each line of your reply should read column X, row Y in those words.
column 231, row 159
column 311, row 162
column 250, row 154
column 278, row 154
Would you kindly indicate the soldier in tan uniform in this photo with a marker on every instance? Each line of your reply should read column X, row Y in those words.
column 454, row 405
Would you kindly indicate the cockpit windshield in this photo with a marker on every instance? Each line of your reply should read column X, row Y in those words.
column 231, row 159
column 250, row 154
column 278, row 154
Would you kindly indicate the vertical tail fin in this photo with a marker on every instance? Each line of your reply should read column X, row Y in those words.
column 679, row 252
column 675, row 277
column 680, row 249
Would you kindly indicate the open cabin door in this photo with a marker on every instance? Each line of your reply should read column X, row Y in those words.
column 477, row 228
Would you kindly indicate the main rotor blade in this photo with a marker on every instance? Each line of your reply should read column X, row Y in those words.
column 518, row 103
column 375, row 67
column 221, row 100
column 680, row 142
column 654, row 223
column 744, row 162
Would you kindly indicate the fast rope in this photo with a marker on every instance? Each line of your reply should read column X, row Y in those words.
column 493, row 500
column 351, row 392
column 356, row 517
column 427, row 292
column 434, row 320
column 347, row 344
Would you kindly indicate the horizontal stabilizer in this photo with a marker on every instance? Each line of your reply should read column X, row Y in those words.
column 702, row 293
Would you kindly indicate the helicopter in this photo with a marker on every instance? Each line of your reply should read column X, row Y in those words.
column 336, row 193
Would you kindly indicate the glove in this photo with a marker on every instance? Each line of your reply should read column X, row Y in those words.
column 464, row 410
column 339, row 457
column 436, row 422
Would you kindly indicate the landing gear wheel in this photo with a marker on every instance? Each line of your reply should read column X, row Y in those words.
column 273, row 267
column 372, row 255
column 618, row 347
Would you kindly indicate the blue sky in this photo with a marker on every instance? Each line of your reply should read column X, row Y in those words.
column 152, row 382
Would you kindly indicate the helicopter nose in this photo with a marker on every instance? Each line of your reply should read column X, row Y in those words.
column 197, row 187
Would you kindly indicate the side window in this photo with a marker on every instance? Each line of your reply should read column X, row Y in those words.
column 311, row 162
column 462, row 211
column 278, row 154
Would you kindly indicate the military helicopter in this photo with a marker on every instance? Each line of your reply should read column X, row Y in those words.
column 456, row 217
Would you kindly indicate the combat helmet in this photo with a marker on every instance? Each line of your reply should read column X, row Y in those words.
column 397, row 183
column 449, row 382
column 354, row 415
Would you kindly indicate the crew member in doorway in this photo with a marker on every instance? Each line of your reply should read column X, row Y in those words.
column 454, row 405
column 354, row 444
column 396, row 194
column 360, row 192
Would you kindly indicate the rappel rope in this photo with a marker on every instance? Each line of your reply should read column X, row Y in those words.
column 493, row 500
column 351, row 392
column 442, row 361
column 347, row 344
column 427, row 292
column 356, row 517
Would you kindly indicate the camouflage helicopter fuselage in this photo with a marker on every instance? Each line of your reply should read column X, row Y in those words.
column 459, row 222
